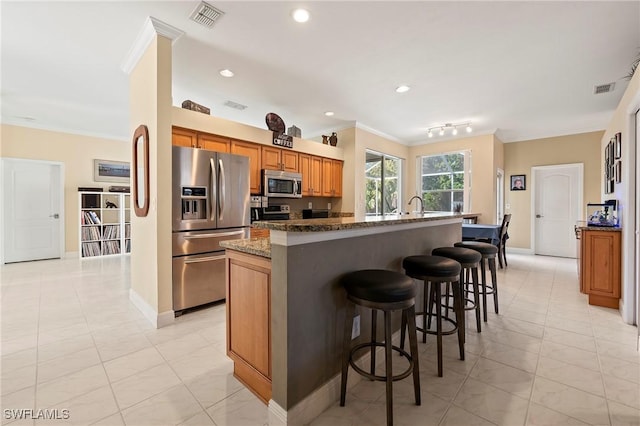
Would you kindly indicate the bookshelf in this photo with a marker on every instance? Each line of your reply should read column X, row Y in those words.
column 105, row 224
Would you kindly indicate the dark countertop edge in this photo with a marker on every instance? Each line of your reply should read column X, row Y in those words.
column 582, row 224
column 255, row 246
column 338, row 224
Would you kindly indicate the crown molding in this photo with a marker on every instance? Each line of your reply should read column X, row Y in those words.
column 150, row 29
column 67, row 130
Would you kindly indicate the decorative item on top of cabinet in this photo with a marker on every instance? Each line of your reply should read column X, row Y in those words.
column 333, row 139
column 294, row 131
column 325, row 139
column 195, row 107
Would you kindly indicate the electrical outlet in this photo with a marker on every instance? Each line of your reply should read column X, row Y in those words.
column 355, row 330
column 310, row 205
column 328, row 206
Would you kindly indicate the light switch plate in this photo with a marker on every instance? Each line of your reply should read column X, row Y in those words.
column 310, row 205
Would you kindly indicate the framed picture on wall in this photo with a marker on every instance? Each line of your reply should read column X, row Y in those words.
column 618, row 146
column 518, row 183
column 619, row 171
column 111, row 171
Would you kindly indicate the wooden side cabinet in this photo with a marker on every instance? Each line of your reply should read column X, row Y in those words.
column 600, row 266
column 248, row 281
column 331, row 178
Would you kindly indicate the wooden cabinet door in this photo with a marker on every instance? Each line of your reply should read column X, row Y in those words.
column 601, row 259
column 289, row 161
column 184, row 137
column 305, row 170
column 252, row 151
column 271, row 158
column 213, row 142
column 336, row 177
column 327, row 175
column 316, row 176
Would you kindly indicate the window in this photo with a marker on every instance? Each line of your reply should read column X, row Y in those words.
column 445, row 181
column 382, row 184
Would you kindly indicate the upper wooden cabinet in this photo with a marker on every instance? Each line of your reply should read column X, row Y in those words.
column 194, row 139
column 184, row 137
column 213, row 142
column 331, row 178
column 254, row 152
column 311, row 170
column 600, row 264
column 279, row 159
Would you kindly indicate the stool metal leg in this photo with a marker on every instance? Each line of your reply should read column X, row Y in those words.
column 459, row 304
column 483, row 271
column 413, row 344
column 494, row 282
column 438, row 295
column 476, row 297
column 428, row 302
column 346, row 349
column 373, row 340
column 460, row 319
column 389, row 372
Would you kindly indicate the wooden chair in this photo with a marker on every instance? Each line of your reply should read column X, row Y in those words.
column 502, row 242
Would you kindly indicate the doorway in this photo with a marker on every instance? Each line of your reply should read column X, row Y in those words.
column 557, row 206
column 382, row 184
column 499, row 195
column 33, row 210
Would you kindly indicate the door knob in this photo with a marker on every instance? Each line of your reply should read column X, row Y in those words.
column 55, row 215
column 539, row 216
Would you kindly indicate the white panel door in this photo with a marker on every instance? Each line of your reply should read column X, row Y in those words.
column 557, row 208
column 32, row 210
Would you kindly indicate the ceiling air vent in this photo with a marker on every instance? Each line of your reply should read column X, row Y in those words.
column 205, row 14
column 603, row 88
column 235, row 105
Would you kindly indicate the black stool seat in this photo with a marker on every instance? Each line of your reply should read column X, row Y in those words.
column 459, row 254
column 484, row 248
column 380, row 286
column 432, row 266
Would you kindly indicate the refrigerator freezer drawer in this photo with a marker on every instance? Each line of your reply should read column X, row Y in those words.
column 198, row 279
column 193, row 242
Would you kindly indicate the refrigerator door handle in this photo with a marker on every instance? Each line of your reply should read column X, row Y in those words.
column 223, row 194
column 204, row 259
column 216, row 235
column 214, row 190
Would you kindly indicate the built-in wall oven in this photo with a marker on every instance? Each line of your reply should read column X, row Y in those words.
column 281, row 184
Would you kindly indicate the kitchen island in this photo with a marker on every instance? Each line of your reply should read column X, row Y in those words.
column 307, row 304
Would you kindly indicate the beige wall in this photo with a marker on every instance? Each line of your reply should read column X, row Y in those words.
column 623, row 121
column 520, row 157
column 77, row 152
column 483, row 168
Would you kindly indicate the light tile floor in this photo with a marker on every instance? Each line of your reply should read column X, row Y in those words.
column 71, row 340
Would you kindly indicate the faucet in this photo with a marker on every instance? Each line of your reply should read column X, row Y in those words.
column 415, row 197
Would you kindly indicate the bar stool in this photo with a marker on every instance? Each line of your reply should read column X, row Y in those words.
column 488, row 252
column 469, row 261
column 434, row 271
column 387, row 291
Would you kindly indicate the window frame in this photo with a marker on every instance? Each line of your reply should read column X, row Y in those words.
column 466, row 186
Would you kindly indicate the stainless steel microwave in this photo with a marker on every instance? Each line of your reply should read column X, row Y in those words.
column 281, row 184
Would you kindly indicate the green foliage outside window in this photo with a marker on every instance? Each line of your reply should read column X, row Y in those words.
column 443, row 181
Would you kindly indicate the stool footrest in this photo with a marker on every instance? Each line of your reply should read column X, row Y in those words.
column 444, row 318
column 370, row 376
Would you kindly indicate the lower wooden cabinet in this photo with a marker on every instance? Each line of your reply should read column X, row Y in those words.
column 600, row 266
column 248, row 281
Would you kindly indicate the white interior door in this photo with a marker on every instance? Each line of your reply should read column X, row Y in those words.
column 556, row 209
column 32, row 210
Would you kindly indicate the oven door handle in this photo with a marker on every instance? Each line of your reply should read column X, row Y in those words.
column 203, row 259
column 219, row 234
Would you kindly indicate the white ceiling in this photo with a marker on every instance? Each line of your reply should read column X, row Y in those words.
column 523, row 70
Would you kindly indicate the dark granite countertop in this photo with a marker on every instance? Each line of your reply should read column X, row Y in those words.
column 256, row 246
column 584, row 226
column 343, row 223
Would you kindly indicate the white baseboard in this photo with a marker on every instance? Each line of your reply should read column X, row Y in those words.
column 158, row 320
column 325, row 396
column 516, row 250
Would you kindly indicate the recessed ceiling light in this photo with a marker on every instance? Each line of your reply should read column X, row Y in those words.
column 226, row 73
column 300, row 15
column 402, row 89
column 328, row 113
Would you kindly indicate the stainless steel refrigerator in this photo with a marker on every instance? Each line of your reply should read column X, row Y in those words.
column 210, row 204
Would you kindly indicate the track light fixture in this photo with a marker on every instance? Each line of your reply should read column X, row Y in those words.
column 449, row 126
